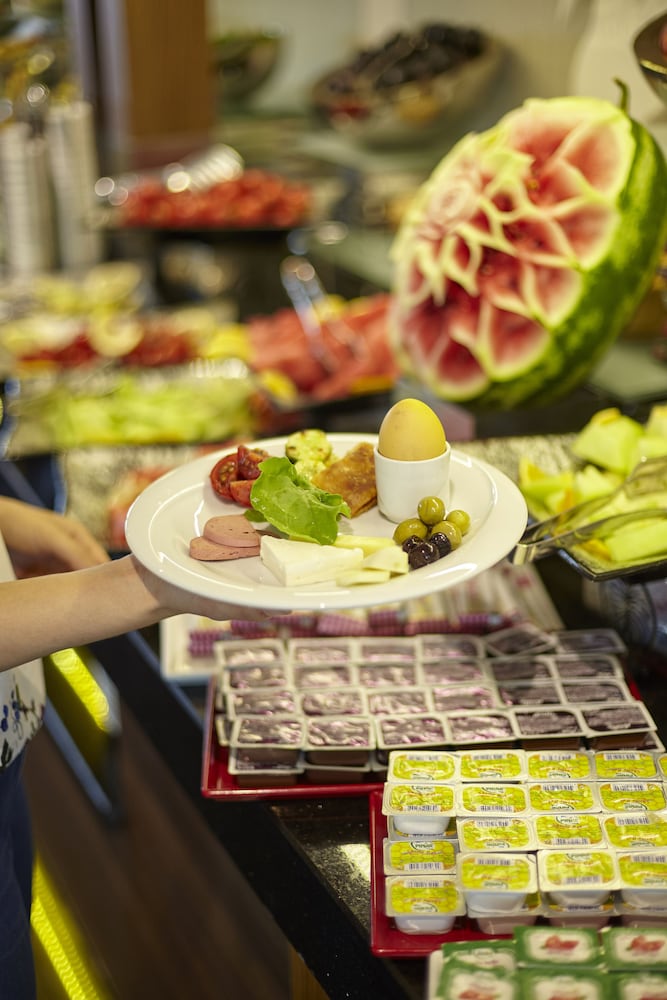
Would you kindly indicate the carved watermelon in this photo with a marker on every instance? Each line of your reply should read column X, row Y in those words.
column 527, row 251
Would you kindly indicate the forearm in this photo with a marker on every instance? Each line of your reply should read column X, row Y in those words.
column 43, row 614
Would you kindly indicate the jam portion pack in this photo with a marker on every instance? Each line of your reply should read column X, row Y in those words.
column 333, row 709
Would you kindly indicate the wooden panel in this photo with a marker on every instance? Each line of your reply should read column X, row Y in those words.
column 304, row 986
column 169, row 67
column 162, row 909
column 155, row 94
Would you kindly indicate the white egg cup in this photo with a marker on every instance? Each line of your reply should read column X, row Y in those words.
column 402, row 484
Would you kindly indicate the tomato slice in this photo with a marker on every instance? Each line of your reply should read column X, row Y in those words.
column 240, row 491
column 248, row 461
column 222, row 474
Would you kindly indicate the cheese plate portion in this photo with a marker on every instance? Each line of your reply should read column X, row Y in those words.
column 174, row 509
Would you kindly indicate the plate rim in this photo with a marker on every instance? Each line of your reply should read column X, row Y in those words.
column 422, row 581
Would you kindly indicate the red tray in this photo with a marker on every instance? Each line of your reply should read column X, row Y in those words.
column 386, row 939
column 218, row 783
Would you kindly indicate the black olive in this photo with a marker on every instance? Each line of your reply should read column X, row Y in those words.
column 441, row 542
column 411, row 543
column 423, row 554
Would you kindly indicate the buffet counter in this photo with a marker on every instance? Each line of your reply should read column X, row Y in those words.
column 308, row 860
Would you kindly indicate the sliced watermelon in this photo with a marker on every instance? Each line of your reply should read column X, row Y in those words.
column 527, row 251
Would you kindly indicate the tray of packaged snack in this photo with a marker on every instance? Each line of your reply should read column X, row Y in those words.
column 470, row 842
column 623, row 963
column 288, row 717
column 502, row 595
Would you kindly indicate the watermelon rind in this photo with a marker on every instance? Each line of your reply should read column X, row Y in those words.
column 613, row 178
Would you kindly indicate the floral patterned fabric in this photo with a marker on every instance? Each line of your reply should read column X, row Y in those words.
column 22, row 695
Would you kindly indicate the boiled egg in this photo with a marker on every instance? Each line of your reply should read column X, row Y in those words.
column 411, row 432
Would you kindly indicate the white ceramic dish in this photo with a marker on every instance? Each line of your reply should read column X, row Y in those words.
column 172, row 510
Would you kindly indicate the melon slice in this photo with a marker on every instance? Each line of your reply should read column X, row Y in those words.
column 527, row 251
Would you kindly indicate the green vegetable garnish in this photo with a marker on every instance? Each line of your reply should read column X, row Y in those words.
column 294, row 506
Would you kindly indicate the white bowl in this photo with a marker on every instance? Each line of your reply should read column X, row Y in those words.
column 402, row 484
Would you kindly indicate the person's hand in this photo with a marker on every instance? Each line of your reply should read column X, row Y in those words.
column 41, row 541
column 171, row 600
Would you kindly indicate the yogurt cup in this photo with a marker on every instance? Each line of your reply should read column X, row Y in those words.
column 559, row 765
column 491, row 765
column 504, row 922
column 418, row 857
column 643, row 878
column 393, row 833
column 496, row 882
column 577, row 877
column 569, row 830
column 492, row 799
column 419, row 808
column 619, row 765
column 593, row 917
column 422, row 765
column 495, row 833
column 563, row 796
column 636, row 831
column 644, row 916
column 424, row 905
column 632, row 796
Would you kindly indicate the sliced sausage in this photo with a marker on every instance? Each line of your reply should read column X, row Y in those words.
column 207, row 551
column 231, row 529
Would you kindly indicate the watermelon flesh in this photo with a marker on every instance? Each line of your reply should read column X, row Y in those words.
column 527, row 251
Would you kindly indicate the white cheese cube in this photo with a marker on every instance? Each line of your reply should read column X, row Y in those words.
column 298, row 563
column 393, row 560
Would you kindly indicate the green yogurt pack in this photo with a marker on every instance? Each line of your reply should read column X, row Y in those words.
column 495, row 833
column 636, row 830
column 559, row 765
column 624, row 764
column 569, row 830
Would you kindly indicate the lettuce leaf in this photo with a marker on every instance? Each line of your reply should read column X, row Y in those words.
column 294, row 506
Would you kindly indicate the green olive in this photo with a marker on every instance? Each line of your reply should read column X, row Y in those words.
column 412, row 526
column 461, row 518
column 450, row 530
column 431, row 510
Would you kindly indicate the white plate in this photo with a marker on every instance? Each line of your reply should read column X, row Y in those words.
column 175, row 508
